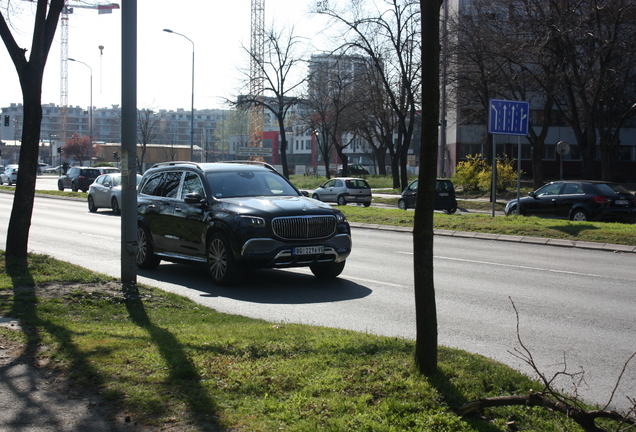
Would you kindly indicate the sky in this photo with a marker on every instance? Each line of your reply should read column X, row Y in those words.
column 218, row 29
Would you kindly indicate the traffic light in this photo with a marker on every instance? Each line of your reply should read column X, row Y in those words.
column 115, row 155
column 59, row 150
column 6, row 120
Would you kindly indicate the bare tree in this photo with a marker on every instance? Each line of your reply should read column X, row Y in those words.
column 390, row 37
column 333, row 103
column 148, row 123
column 30, row 73
column 278, row 67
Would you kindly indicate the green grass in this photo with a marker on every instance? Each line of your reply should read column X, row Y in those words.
column 603, row 232
column 166, row 360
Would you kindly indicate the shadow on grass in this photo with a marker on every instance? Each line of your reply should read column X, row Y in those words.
column 184, row 380
column 574, row 229
column 454, row 398
column 29, row 404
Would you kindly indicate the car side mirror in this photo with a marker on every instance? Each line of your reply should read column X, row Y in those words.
column 193, row 198
column 532, row 194
column 304, row 193
column 107, row 184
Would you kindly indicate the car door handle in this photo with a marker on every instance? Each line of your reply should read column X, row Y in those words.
column 177, row 209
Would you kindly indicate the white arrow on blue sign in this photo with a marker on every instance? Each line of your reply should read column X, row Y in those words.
column 508, row 117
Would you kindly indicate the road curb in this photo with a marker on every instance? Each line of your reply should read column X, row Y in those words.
column 608, row 247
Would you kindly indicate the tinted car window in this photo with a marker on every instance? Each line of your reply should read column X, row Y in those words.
column 153, row 185
column 573, row 188
column 549, row 189
column 248, row 183
column 90, row 172
column 192, row 184
column 614, row 189
column 357, row 184
column 443, row 185
column 171, row 183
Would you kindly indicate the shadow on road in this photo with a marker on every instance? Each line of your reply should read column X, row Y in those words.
column 262, row 286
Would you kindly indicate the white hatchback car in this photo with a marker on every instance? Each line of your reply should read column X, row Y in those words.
column 10, row 175
column 343, row 190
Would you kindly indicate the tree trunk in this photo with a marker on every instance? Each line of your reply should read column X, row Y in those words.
column 22, row 210
column 425, row 308
column 537, row 164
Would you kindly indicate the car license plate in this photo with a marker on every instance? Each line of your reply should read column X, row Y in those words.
column 621, row 202
column 443, row 194
column 309, row 250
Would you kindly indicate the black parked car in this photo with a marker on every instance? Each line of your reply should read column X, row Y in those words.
column 444, row 196
column 354, row 170
column 231, row 216
column 78, row 178
column 578, row 200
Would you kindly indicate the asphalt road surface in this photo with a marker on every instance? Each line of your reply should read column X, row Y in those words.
column 574, row 305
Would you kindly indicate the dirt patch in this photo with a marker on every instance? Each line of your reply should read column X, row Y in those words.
column 37, row 371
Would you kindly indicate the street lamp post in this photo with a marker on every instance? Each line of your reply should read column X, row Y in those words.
column 192, row 102
column 90, row 115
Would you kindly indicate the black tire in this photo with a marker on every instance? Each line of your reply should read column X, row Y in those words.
column 451, row 210
column 146, row 258
column 91, row 205
column 367, row 204
column 327, row 271
column 9, row 182
column 1, row 182
column 402, row 204
column 60, row 185
column 342, row 201
column 114, row 205
column 73, row 187
column 513, row 211
column 316, row 197
column 579, row 215
column 222, row 266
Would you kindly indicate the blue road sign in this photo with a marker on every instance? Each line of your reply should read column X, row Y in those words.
column 508, row 117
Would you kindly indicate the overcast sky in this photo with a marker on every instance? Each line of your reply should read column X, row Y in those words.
column 218, row 28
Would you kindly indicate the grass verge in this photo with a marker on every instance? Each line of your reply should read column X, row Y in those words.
column 602, row 232
column 168, row 361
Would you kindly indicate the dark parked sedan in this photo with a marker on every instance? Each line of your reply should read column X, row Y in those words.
column 579, row 200
column 444, row 196
column 78, row 178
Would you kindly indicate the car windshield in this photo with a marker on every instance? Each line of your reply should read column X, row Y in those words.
column 612, row 189
column 357, row 184
column 249, row 184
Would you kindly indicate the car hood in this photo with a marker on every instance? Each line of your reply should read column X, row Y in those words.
column 279, row 206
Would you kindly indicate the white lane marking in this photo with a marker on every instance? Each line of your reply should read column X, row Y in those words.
column 511, row 265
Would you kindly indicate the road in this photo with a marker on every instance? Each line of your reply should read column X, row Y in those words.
column 573, row 303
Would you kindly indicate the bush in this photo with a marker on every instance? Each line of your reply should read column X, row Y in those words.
column 475, row 173
column 506, row 175
column 467, row 172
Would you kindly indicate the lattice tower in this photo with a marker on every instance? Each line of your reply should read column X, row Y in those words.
column 257, row 112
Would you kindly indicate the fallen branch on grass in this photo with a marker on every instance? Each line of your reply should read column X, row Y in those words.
column 550, row 399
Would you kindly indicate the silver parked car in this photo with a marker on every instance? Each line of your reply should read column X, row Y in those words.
column 105, row 192
column 10, row 175
column 343, row 190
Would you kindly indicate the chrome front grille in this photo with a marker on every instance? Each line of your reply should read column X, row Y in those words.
column 304, row 227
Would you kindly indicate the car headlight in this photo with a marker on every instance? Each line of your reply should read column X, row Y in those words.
column 250, row 221
column 340, row 217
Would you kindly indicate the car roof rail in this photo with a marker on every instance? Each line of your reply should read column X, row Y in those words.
column 173, row 163
column 249, row 162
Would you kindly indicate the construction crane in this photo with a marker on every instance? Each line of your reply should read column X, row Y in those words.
column 257, row 111
column 66, row 11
